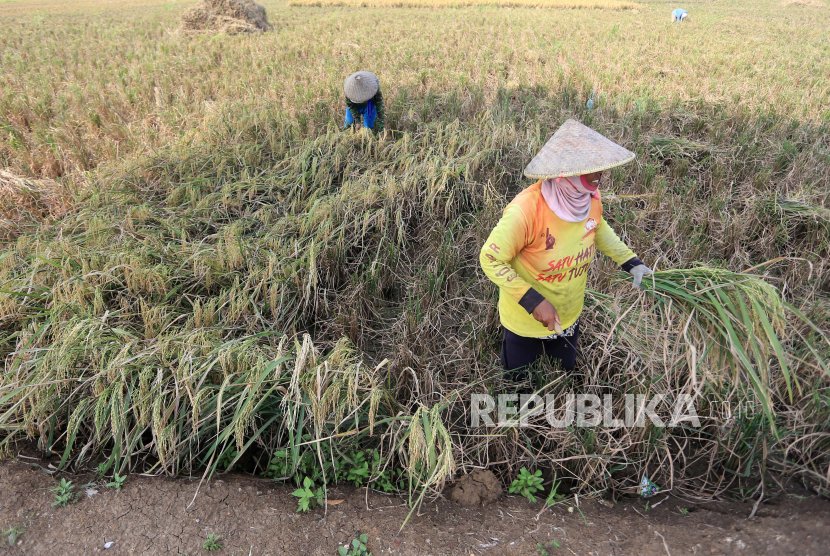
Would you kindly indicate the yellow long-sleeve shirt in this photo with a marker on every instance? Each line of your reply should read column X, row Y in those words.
column 533, row 254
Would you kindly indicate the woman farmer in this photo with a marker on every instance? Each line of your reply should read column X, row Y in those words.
column 679, row 15
column 540, row 251
column 364, row 100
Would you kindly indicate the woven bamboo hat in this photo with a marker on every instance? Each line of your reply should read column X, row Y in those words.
column 361, row 86
column 575, row 150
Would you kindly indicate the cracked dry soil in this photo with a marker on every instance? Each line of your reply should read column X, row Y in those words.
column 256, row 517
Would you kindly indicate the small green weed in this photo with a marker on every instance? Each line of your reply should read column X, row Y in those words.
column 309, row 498
column 13, row 533
column 544, row 548
column 358, row 547
column 527, row 484
column 684, row 511
column 581, row 513
column 117, row 481
column 554, row 496
column 63, row 493
column 212, row 542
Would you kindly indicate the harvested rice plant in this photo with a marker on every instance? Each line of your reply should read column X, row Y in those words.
column 201, row 271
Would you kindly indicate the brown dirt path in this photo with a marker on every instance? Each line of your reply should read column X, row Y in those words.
column 256, row 517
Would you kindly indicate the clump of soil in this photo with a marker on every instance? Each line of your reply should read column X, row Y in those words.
column 228, row 16
column 478, row 488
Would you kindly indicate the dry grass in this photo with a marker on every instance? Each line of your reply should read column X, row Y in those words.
column 806, row 3
column 551, row 4
column 154, row 86
column 25, row 201
column 27, row 7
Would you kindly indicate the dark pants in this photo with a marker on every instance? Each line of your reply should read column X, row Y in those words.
column 518, row 352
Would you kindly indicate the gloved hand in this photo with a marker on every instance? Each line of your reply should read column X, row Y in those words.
column 638, row 272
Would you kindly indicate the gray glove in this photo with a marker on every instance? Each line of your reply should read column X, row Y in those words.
column 638, row 272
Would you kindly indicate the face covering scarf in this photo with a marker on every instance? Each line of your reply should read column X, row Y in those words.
column 567, row 198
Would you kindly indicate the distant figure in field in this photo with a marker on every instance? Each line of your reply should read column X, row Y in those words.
column 364, row 101
column 679, row 15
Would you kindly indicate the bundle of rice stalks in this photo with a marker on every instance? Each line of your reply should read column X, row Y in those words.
column 799, row 208
column 735, row 329
column 730, row 342
column 673, row 147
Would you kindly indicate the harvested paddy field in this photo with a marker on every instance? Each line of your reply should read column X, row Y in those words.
column 203, row 277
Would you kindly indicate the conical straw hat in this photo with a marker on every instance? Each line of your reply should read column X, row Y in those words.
column 361, row 86
column 575, row 150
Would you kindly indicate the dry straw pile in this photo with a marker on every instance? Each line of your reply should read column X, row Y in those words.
column 228, row 16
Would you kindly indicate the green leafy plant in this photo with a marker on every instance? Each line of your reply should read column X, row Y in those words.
column 117, row 481
column 527, row 484
column 357, row 548
column 386, row 479
column 309, row 466
column 63, row 493
column 358, row 469
column 227, row 457
column 309, row 497
column 212, row 542
column 279, row 466
column 329, row 471
column 684, row 511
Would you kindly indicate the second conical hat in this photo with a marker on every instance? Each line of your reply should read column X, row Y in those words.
column 361, row 86
column 574, row 150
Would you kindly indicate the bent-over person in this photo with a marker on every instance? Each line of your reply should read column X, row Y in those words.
column 364, row 101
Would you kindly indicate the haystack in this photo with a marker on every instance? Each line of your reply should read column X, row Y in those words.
column 228, row 16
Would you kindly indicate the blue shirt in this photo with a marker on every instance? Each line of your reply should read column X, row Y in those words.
column 679, row 12
column 369, row 113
